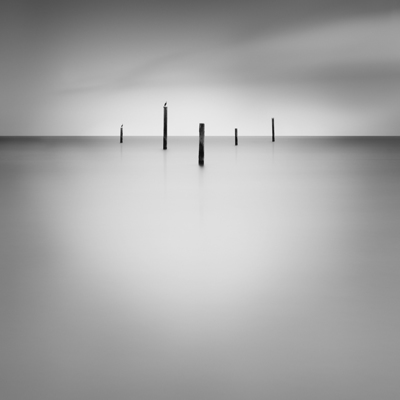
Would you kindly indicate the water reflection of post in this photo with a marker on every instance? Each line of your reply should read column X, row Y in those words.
column 121, row 134
column 165, row 126
column 201, row 145
column 165, row 177
column 201, row 193
column 236, row 137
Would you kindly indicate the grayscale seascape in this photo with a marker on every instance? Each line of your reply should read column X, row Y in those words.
column 129, row 272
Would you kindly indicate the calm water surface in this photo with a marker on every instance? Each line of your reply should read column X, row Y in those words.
column 128, row 272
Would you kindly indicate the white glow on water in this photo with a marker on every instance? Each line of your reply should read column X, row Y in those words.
column 130, row 272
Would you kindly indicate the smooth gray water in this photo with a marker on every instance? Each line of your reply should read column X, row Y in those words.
column 128, row 272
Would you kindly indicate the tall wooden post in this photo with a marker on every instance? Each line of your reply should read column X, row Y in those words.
column 273, row 130
column 121, row 134
column 201, row 145
column 236, row 137
column 165, row 126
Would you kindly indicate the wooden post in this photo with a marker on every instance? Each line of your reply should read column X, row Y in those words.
column 201, row 145
column 121, row 134
column 273, row 130
column 236, row 137
column 165, row 126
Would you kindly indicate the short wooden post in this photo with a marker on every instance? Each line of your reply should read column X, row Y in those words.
column 121, row 134
column 201, row 145
column 236, row 137
column 273, row 130
column 165, row 126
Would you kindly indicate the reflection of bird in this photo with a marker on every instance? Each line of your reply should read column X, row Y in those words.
column 165, row 105
column 122, row 125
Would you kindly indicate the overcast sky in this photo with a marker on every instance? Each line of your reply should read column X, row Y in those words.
column 84, row 67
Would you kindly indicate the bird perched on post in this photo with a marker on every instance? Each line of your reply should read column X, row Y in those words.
column 165, row 105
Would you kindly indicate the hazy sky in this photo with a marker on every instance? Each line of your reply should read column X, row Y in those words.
column 85, row 67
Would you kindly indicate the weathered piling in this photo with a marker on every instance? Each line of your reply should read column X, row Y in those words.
column 165, row 126
column 201, row 145
column 121, row 134
column 236, row 137
column 273, row 130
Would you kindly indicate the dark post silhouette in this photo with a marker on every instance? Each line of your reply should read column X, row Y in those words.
column 165, row 126
column 201, row 145
column 121, row 134
column 236, row 137
column 273, row 130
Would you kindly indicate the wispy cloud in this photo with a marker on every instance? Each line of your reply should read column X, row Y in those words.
column 137, row 75
column 353, row 43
